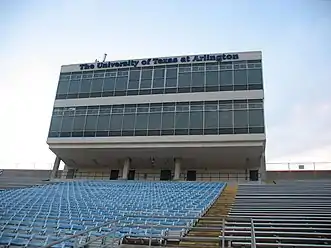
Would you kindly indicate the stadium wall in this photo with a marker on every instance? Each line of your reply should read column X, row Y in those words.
column 298, row 175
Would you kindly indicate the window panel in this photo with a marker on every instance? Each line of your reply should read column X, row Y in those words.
column 171, row 82
column 154, row 122
column 225, row 119
column 196, row 120
column 85, row 86
column 97, row 85
column 74, row 86
column 56, row 123
column 141, row 121
column 184, row 80
column 63, row 87
column 182, row 120
column 212, row 78
column 134, row 75
column 158, row 83
column 146, row 84
column 146, row 74
column 240, row 77
column 171, row 73
column 255, row 76
column 116, row 122
column 121, row 83
column 159, row 73
column 256, row 118
column 67, row 123
column 198, row 79
column 109, row 84
column 211, row 119
column 103, row 123
column 168, row 120
column 128, row 122
column 79, row 123
column 226, row 78
column 91, row 123
column 240, row 118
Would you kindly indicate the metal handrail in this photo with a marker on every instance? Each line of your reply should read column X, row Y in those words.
column 253, row 240
column 80, row 233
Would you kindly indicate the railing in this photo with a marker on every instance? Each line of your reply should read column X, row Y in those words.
column 212, row 176
column 116, row 226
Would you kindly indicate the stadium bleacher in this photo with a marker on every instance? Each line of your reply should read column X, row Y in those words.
column 41, row 215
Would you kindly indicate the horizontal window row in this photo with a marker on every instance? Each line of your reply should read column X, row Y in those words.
column 159, row 121
column 161, row 71
column 160, row 107
column 252, row 130
column 181, row 83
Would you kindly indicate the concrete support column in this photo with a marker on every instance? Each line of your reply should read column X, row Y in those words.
column 65, row 172
column 55, row 167
column 178, row 163
column 263, row 169
column 126, row 168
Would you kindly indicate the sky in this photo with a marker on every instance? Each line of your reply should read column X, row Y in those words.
column 37, row 37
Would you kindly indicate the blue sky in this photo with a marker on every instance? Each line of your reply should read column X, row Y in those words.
column 37, row 37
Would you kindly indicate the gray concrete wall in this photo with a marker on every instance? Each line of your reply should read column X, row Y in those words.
column 42, row 174
column 298, row 175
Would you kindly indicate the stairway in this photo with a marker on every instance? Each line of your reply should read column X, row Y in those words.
column 220, row 208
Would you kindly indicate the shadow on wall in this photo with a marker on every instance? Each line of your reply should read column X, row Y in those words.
column 298, row 175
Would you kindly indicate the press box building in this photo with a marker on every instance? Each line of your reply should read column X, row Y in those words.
column 195, row 117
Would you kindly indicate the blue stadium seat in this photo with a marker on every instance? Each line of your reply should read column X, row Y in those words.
column 48, row 212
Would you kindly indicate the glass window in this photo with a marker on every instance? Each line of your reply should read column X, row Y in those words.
column 198, row 67
column 99, row 74
column 79, row 123
column 212, row 78
column 63, row 87
column 116, row 122
column 65, row 76
column 212, row 67
column 225, row 105
column 169, row 107
column 168, row 120
column 146, row 74
column 159, row 73
column 103, row 123
column 56, row 123
column 133, row 85
column 141, row 121
column 134, row 75
column 158, row 83
column 57, row 112
column 171, row 82
column 91, row 122
column 211, row 106
column 184, row 68
column 81, row 111
column 254, row 76
column 130, row 108
column 87, row 75
column 111, row 73
column 226, row 78
column 196, row 120
column 117, row 109
column 182, row 107
column 240, row 118
column 154, row 122
column 105, row 110
column 67, row 123
column 225, row 119
column 128, row 121
column 156, row 107
column 143, row 108
column 198, row 79
column 240, row 104
column 240, row 77
column 256, row 118
column 182, row 120
column 184, row 80
column 93, row 110
column 76, row 75
column 171, row 73
column 196, row 106
column 74, row 86
column 85, row 86
column 97, row 85
column 255, row 103
column 109, row 84
column 145, row 84
column 121, row 83
column 211, row 119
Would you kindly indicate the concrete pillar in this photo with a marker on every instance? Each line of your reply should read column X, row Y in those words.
column 178, row 163
column 263, row 169
column 126, row 168
column 65, row 172
column 55, row 167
